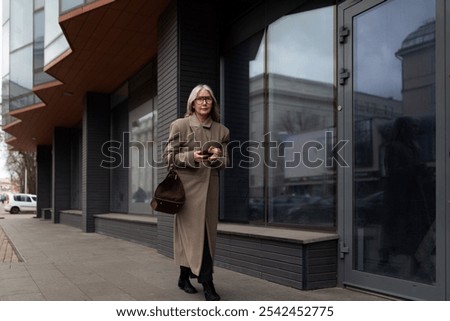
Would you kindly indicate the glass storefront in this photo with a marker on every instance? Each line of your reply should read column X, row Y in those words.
column 301, row 118
column 142, row 178
column 280, row 85
column 133, row 149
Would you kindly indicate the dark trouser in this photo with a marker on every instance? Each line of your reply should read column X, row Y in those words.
column 206, row 270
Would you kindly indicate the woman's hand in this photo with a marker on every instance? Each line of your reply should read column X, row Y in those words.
column 199, row 157
column 216, row 153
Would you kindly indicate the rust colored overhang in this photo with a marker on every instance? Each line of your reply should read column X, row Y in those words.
column 109, row 42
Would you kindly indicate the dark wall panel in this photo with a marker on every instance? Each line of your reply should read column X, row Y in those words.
column 95, row 178
column 75, row 199
column 199, row 60
column 61, row 173
column 141, row 233
column 73, row 220
column 168, row 105
column 302, row 266
column 118, row 171
column 44, row 178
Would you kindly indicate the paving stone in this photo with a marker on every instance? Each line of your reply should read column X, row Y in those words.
column 61, row 263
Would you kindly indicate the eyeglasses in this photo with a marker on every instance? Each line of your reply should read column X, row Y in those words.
column 206, row 99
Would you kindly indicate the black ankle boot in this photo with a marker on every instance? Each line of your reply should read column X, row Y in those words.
column 183, row 282
column 210, row 292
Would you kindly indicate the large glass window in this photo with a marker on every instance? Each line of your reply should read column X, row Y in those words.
column 21, row 29
column 119, row 172
column 300, row 63
column 39, row 26
column 279, row 85
column 5, row 61
column 21, row 78
column 132, row 147
column 55, row 42
column 39, row 4
column 67, row 5
column 21, row 56
column 142, row 178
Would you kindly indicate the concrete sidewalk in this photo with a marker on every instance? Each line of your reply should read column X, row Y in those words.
column 63, row 263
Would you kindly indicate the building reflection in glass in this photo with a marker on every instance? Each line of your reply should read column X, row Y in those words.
column 394, row 145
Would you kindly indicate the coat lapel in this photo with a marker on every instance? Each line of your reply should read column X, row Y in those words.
column 201, row 130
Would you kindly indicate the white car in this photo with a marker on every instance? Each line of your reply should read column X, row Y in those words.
column 20, row 203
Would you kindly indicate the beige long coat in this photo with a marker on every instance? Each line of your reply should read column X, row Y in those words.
column 201, row 183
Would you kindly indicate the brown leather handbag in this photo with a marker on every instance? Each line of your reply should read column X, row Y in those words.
column 169, row 196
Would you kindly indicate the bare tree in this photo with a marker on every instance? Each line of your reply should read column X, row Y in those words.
column 20, row 165
column 22, row 168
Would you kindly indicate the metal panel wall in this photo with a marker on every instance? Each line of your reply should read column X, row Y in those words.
column 95, row 180
column 141, row 233
column 44, row 178
column 167, row 105
column 199, row 60
column 75, row 197
column 61, row 186
column 302, row 266
column 71, row 219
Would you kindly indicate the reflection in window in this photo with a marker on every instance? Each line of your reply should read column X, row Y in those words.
column 141, row 155
column 67, row 5
column 5, row 63
column 40, row 76
column 21, row 79
column 21, row 29
column 279, row 84
column 20, row 66
column 55, row 41
column 394, row 140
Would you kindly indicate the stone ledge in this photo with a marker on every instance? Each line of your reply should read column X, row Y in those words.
column 128, row 217
column 71, row 212
column 272, row 233
column 276, row 233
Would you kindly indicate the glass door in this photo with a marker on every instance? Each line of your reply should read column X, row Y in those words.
column 389, row 98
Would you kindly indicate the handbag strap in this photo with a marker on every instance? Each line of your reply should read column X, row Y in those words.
column 170, row 163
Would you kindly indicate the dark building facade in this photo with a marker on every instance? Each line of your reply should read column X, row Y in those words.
column 338, row 116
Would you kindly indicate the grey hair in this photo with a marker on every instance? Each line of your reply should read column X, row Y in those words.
column 190, row 103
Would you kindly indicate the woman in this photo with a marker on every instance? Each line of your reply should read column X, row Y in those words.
column 197, row 147
column 408, row 216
